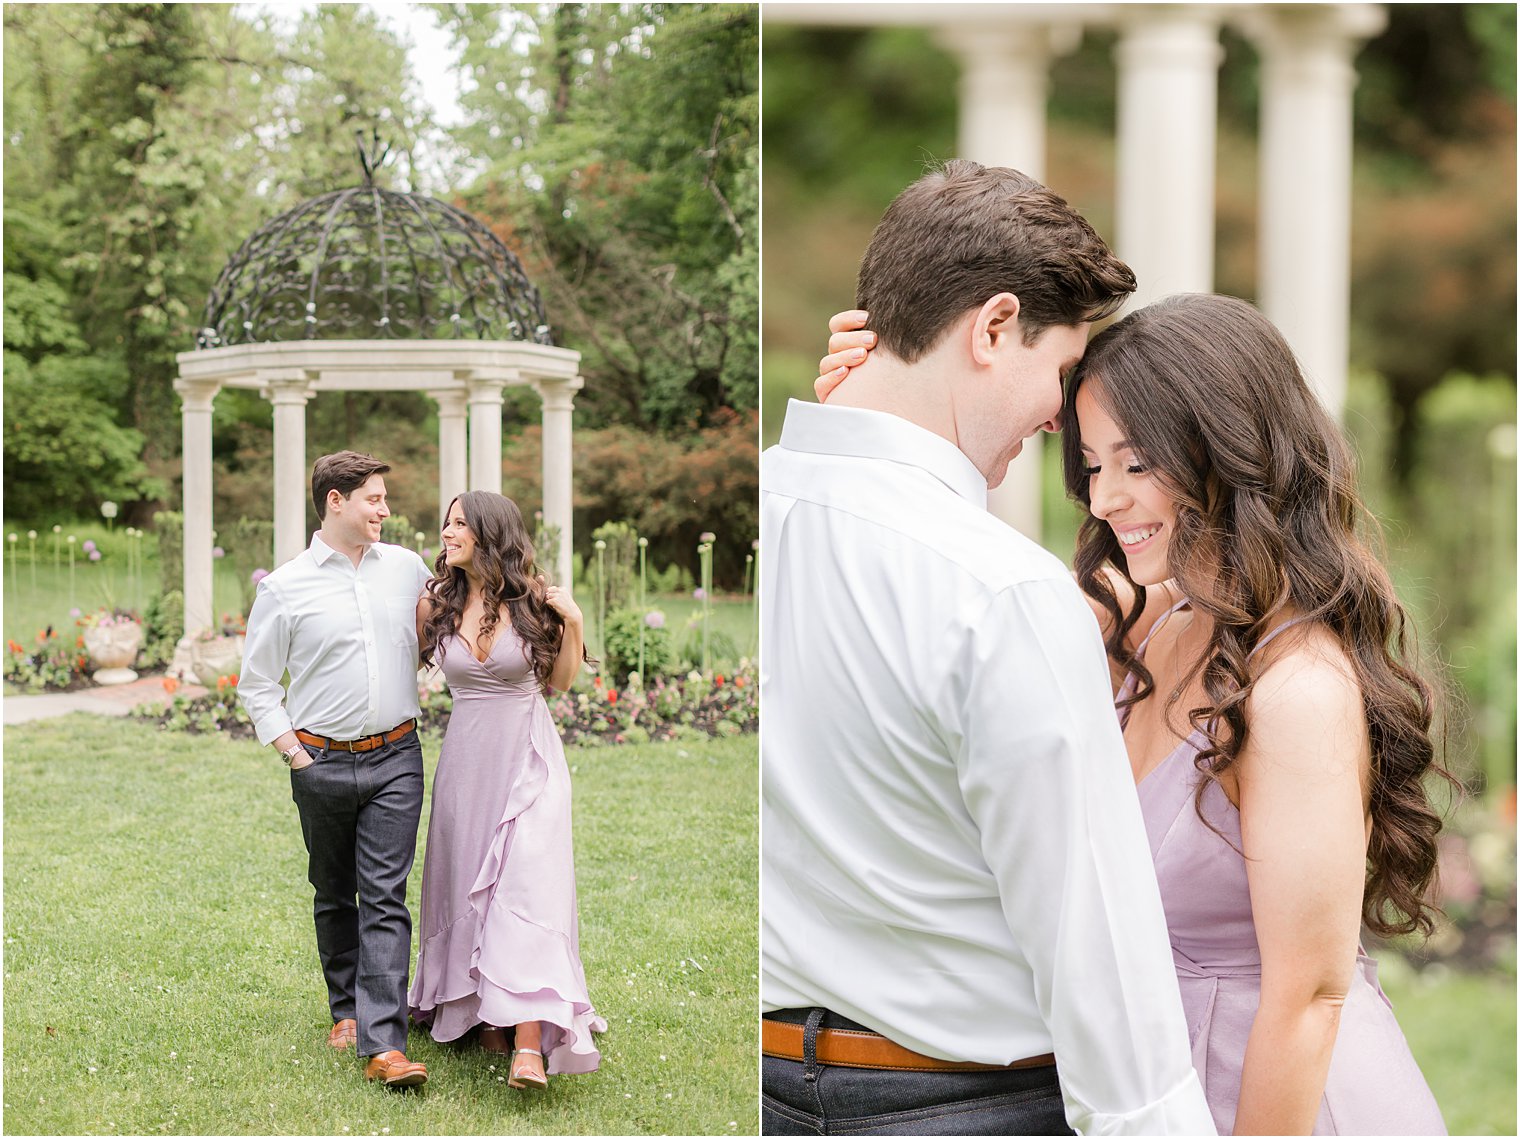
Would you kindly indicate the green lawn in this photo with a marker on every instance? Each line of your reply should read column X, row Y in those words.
column 161, row 971
column 1461, row 1029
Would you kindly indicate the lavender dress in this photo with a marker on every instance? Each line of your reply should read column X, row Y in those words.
column 1374, row 1086
column 498, row 925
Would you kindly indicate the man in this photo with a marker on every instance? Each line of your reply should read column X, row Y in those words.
column 341, row 618
column 956, row 882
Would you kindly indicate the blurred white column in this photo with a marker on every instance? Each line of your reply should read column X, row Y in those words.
column 1307, row 80
column 196, row 398
column 559, row 491
column 1168, row 58
column 1005, row 79
column 453, row 448
column 485, row 434
column 289, row 394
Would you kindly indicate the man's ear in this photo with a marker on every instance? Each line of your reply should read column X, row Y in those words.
column 334, row 498
column 995, row 326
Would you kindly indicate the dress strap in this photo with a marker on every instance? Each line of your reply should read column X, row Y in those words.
column 1127, row 686
column 1155, row 625
column 1283, row 628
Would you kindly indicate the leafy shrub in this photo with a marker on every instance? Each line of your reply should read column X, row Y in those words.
column 251, row 548
column 621, row 646
column 672, row 579
column 669, row 490
column 169, row 529
column 163, row 625
column 720, row 646
column 399, row 531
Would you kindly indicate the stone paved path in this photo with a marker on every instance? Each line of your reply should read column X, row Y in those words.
column 104, row 700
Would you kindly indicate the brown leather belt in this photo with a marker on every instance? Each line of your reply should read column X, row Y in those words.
column 368, row 743
column 848, row 1048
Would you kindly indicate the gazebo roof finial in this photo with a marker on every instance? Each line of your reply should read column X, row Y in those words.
column 371, row 158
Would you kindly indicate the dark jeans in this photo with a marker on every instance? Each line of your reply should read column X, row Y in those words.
column 359, row 814
column 803, row 1098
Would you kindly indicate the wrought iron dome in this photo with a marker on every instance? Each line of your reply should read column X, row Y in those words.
column 367, row 263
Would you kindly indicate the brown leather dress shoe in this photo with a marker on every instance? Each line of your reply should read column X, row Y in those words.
column 394, row 1070
column 494, row 1039
column 344, row 1034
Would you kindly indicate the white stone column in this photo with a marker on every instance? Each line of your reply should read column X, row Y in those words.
column 485, row 434
column 196, row 398
column 453, row 447
column 1307, row 80
column 1168, row 60
column 559, row 492
column 289, row 394
column 1005, row 73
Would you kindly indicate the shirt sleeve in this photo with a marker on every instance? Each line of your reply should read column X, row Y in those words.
column 424, row 573
column 1042, row 768
column 265, row 655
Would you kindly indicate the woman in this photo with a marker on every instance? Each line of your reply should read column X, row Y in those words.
column 498, row 927
column 1278, row 738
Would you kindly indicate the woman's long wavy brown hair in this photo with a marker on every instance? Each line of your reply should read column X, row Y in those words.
column 509, row 578
column 1208, row 393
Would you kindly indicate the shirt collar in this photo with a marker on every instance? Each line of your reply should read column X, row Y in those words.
column 864, row 434
column 321, row 551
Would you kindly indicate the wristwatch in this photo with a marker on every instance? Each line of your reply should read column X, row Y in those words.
column 292, row 753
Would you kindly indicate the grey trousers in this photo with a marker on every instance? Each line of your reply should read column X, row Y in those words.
column 359, row 815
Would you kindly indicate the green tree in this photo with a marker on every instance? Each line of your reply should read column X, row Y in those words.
column 621, row 161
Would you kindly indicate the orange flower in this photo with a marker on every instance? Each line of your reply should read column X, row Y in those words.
column 596, row 682
column 719, row 680
column 612, row 695
column 170, row 685
column 79, row 642
column 738, row 682
column 14, row 647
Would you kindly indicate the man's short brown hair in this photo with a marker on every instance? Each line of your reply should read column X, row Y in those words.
column 967, row 232
column 344, row 472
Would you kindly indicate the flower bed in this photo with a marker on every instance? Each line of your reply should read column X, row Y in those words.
column 689, row 707
column 56, row 663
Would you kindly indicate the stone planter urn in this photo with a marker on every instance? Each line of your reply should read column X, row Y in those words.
column 213, row 659
column 112, row 650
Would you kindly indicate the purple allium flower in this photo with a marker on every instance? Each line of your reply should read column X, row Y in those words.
column 654, row 619
column 707, row 536
column 218, row 552
column 74, row 612
column 89, row 548
column 94, row 555
column 258, row 575
column 427, row 552
column 699, row 593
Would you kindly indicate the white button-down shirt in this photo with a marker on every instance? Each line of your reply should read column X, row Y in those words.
column 953, row 852
column 347, row 634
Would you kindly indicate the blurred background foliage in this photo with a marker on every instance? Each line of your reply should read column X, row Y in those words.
column 614, row 148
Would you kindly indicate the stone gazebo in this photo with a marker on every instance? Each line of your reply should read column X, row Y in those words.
column 366, row 289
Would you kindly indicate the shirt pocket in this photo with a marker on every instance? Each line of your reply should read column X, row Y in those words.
column 403, row 621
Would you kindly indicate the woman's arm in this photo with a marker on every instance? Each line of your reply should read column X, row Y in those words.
column 572, row 645
column 1304, row 834
column 425, row 606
